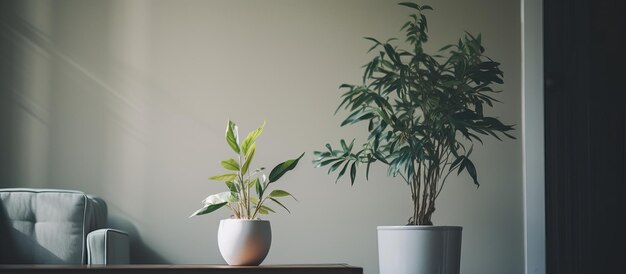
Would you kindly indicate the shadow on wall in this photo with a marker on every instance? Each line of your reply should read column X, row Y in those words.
column 54, row 106
column 140, row 252
column 8, row 124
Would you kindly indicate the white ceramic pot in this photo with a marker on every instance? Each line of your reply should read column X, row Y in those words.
column 244, row 242
column 419, row 249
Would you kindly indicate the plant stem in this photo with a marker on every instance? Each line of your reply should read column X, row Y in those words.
column 261, row 201
column 416, row 198
column 248, row 197
column 242, row 194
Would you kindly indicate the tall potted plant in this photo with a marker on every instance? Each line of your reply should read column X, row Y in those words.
column 244, row 239
column 424, row 113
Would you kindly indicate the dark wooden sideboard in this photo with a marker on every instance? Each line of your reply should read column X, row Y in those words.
column 184, row 269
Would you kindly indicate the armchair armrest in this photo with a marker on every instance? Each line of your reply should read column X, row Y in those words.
column 107, row 246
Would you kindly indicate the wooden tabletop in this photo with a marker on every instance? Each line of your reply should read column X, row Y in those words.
column 186, row 269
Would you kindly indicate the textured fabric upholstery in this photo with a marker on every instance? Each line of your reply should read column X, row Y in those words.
column 45, row 226
column 107, row 246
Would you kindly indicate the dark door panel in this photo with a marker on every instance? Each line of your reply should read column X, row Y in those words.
column 585, row 142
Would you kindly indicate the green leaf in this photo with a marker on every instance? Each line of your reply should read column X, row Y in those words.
column 224, row 177
column 248, row 157
column 208, row 209
column 472, row 171
column 393, row 55
column 356, row 117
column 343, row 144
column 230, row 164
column 426, row 7
column 343, row 170
column 245, row 145
column 265, row 209
column 232, row 136
column 258, row 188
column 447, row 47
column 282, row 168
column 322, row 163
column 330, row 149
column 352, row 173
column 376, row 43
column 280, row 204
column 456, row 162
column 281, row 193
column 373, row 40
column 231, row 186
column 335, row 166
column 367, row 170
column 251, row 183
column 346, row 85
column 250, row 151
column 222, row 197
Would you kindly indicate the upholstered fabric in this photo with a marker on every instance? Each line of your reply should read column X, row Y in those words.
column 45, row 226
column 107, row 246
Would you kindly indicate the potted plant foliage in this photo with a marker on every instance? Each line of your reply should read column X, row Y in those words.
column 424, row 113
column 244, row 239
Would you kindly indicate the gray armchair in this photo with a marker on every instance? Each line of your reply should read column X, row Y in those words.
column 49, row 226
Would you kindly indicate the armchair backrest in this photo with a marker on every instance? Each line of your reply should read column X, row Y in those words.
column 47, row 226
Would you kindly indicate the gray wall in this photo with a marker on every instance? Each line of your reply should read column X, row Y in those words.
column 128, row 100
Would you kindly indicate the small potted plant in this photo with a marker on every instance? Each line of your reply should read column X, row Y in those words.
column 424, row 113
column 244, row 239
